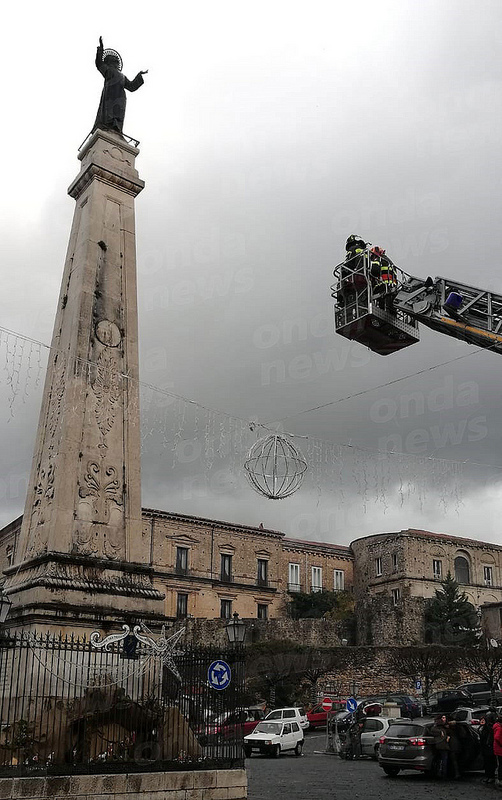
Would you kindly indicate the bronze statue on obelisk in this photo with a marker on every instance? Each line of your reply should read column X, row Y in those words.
column 83, row 554
column 112, row 105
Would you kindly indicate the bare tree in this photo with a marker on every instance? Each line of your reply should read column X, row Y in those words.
column 430, row 663
column 484, row 661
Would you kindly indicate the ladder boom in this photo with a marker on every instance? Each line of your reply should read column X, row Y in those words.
column 456, row 309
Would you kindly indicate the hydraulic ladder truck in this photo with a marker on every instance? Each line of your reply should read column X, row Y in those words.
column 386, row 318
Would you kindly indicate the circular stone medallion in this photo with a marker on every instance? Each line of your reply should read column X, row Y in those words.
column 108, row 333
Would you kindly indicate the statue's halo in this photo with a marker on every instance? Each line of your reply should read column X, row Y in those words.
column 110, row 52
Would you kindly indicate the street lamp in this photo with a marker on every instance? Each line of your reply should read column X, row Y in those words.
column 5, row 604
column 236, row 630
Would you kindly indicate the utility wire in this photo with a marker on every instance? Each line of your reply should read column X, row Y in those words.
column 266, row 425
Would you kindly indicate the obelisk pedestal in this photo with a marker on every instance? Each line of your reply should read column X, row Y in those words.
column 81, row 558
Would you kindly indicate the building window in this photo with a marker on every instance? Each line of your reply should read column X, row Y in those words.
column 378, row 567
column 262, row 611
column 182, row 560
column 10, row 555
column 394, row 562
column 488, row 576
column 338, row 580
column 262, row 572
column 437, row 569
column 461, row 569
column 225, row 609
column 181, row 606
column 226, row 568
column 294, row 578
column 316, row 579
column 396, row 595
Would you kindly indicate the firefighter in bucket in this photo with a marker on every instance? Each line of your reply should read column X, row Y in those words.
column 353, row 272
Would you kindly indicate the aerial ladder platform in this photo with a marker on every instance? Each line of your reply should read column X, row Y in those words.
column 385, row 317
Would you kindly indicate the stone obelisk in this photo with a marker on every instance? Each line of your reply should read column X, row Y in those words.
column 82, row 556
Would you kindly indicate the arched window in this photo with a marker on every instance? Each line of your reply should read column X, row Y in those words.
column 461, row 570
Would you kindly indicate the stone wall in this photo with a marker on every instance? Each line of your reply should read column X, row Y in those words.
column 197, row 785
column 381, row 622
column 310, row 632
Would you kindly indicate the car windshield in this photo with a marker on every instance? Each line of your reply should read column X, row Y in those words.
column 460, row 716
column 404, row 731
column 268, row 727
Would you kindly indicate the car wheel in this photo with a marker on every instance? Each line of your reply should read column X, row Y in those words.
column 247, row 751
column 375, row 751
column 391, row 771
column 276, row 751
column 298, row 748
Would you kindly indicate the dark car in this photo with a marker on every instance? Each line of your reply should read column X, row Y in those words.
column 448, row 700
column 407, row 705
column 410, row 745
column 480, row 693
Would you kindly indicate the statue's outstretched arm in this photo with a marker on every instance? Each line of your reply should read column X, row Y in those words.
column 99, row 56
column 138, row 81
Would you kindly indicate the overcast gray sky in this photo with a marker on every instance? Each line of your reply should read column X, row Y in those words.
column 269, row 132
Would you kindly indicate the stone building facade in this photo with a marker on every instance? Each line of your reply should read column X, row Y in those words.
column 394, row 573
column 210, row 569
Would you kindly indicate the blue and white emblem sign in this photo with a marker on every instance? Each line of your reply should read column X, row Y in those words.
column 219, row 675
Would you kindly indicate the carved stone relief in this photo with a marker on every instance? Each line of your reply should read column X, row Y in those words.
column 117, row 154
column 55, row 403
column 44, row 495
column 99, row 530
column 108, row 333
column 107, row 389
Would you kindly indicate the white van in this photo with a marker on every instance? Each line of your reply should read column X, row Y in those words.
column 289, row 714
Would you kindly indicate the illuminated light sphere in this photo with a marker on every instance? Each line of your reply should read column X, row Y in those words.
column 275, row 467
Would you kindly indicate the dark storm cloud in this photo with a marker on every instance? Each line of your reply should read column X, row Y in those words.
column 262, row 151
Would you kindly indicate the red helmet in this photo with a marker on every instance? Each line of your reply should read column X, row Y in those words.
column 377, row 251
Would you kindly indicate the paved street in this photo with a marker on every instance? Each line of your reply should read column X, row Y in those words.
column 322, row 777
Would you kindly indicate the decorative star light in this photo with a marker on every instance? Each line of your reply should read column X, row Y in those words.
column 163, row 648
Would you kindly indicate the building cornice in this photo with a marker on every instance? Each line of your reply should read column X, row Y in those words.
column 149, row 513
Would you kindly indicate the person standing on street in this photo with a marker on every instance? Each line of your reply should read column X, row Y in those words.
column 497, row 748
column 486, row 738
column 442, row 744
column 355, row 739
column 455, row 748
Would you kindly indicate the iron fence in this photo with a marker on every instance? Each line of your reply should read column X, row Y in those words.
column 70, row 705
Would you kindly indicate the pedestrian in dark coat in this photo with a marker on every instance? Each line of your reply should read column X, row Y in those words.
column 442, row 744
column 455, row 747
column 497, row 748
column 486, row 738
column 355, row 739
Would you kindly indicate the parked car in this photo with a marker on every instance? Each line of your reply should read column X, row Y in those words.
column 408, row 744
column 289, row 714
column 273, row 738
column 407, row 705
column 317, row 715
column 470, row 715
column 230, row 726
column 372, row 731
column 480, row 693
column 448, row 700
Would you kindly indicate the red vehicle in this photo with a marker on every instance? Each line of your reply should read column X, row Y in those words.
column 317, row 716
column 231, row 726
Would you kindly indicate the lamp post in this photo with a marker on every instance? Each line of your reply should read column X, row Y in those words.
column 236, row 630
column 5, row 605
